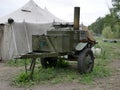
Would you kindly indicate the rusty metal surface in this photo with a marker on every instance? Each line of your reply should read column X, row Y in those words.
column 76, row 18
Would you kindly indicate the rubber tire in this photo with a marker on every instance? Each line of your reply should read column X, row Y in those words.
column 86, row 61
column 48, row 62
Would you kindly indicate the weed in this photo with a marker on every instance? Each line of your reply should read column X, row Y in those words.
column 62, row 63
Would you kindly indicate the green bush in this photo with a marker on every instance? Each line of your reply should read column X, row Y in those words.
column 116, row 31
column 107, row 32
column 113, row 32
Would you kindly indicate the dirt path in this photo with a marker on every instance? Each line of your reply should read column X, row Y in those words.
column 6, row 73
column 112, row 82
column 109, row 83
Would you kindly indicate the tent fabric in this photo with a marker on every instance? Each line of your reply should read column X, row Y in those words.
column 16, row 38
column 32, row 13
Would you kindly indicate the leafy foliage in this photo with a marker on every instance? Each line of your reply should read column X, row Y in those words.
column 107, row 30
column 116, row 7
column 97, row 26
column 108, row 26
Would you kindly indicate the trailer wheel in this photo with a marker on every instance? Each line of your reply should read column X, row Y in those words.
column 86, row 61
column 48, row 62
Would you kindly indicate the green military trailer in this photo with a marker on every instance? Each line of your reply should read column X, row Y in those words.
column 64, row 39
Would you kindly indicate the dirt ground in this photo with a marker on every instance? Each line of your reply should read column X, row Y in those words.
column 109, row 83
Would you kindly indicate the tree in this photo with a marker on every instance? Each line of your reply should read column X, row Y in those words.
column 97, row 26
column 109, row 26
column 116, row 9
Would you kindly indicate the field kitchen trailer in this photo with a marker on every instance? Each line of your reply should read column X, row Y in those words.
column 63, row 39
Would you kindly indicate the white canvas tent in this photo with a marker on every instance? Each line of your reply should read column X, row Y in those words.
column 16, row 38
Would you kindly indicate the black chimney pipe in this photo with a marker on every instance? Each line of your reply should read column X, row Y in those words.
column 76, row 17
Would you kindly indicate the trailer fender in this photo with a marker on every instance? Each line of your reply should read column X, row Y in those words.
column 80, row 46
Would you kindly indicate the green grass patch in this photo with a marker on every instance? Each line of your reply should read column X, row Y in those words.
column 45, row 76
column 17, row 62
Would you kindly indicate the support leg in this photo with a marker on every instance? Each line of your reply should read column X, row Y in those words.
column 32, row 68
column 25, row 66
column 31, row 65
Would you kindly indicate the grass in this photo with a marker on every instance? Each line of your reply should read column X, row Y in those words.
column 64, row 73
column 19, row 62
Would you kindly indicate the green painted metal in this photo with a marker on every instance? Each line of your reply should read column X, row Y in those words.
column 62, row 40
column 39, row 55
column 58, row 40
column 80, row 46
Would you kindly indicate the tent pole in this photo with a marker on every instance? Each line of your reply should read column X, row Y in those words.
column 14, row 40
column 26, row 36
